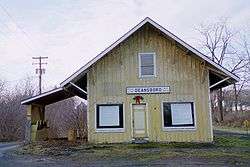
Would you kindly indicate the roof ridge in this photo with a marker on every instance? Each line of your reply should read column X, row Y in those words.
column 79, row 72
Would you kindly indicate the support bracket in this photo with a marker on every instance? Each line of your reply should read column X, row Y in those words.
column 217, row 83
column 78, row 88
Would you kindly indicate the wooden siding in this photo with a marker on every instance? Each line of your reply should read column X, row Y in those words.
column 109, row 77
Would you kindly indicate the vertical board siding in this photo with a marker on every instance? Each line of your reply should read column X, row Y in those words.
column 109, row 77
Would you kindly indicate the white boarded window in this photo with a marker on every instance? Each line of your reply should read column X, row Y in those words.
column 109, row 116
column 178, row 114
column 181, row 114
column 147, row 64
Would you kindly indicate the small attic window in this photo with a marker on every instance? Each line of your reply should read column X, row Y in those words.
column 147, row 66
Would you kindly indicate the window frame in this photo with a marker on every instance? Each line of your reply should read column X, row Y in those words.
column 154, row 58
column 179, row 127
column 120, row 128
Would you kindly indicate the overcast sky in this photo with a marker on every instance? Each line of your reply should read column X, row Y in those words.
column 71, row 32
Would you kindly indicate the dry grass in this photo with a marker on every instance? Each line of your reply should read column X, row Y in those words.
column 233, row 119
column 227, row 147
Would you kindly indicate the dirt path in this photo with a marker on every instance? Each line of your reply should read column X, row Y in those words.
column 26, row 161
column 32, row 161
column 4, row 147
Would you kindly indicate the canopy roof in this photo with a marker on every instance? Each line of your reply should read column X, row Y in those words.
column 49, row 97
column 55, row 95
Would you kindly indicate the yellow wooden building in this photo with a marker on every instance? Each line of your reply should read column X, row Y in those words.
column 148, row 85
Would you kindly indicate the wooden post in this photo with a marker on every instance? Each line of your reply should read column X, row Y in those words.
column 34, row 114
column 28, row 124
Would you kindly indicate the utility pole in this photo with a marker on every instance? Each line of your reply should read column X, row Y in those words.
column 40, row 70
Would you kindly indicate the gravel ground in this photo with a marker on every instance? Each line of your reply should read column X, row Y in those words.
column 230, row 149
column 26, row 161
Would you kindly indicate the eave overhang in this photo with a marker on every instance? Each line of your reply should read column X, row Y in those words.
column 83, row 70
column 54, row 96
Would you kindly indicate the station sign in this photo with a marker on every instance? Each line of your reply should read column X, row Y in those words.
column 148, row 89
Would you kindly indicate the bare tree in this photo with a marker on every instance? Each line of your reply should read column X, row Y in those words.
column 61, row 116
column 218, row 41
column 242, row 68
column 2, row 84
column 12, row 113
column 78, row 119
column 2, row 87
column 65, row 115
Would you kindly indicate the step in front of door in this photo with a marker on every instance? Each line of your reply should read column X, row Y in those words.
column 140, row 140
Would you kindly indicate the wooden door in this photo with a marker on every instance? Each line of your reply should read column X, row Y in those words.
column 139, row 121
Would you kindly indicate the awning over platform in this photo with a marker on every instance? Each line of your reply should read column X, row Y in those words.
column 55, row 95
column 49, row 97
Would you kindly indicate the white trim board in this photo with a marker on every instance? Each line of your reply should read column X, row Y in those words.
column 83, row 69
column 210, row 121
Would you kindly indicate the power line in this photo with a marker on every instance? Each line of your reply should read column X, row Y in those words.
column 18, row 26
column 1, row 30
column 15, row 36
column 13, row 20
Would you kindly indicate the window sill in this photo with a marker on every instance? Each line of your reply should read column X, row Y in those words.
column 147, row 76
column 167, row 129
column 110, row 130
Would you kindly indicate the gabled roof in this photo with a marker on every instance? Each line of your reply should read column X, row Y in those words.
column 84, row 69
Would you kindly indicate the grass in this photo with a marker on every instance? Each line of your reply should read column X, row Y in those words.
column 171, row 145
column 232, row 129
column 230, row 142
column 222, row 147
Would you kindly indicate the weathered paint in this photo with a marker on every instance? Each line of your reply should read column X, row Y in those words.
column 109, row 77
column 34, row 114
